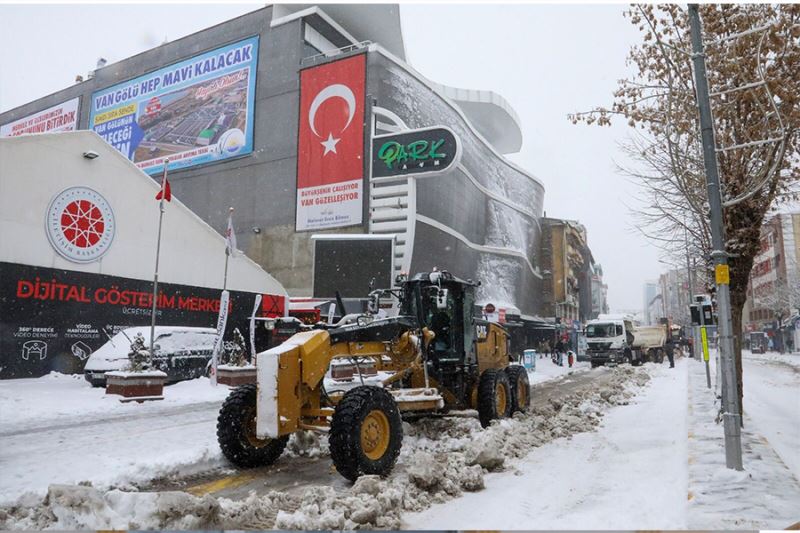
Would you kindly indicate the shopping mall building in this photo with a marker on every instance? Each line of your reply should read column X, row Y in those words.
column 330, row 147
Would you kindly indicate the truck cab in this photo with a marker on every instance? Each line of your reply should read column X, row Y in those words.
column 609, row 341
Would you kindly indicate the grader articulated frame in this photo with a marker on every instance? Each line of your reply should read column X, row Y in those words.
column 437, row 357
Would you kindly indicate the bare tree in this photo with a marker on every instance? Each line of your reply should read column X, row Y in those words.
column 753, row 56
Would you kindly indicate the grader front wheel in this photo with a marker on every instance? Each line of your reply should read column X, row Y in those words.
column 366, row 433
column 494, row 396
column 236, row 431
column 520, row 388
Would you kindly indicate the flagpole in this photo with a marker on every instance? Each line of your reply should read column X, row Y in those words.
column 227, row 255
column 158, row 253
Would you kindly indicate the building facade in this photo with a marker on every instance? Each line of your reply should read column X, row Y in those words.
column 773, row 302
column 276, row 113
column 79, row 224
column 567, row 289
column 599, row 292
column 649, row 293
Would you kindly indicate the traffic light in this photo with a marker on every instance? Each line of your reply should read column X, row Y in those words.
column 708, row 315
column 694, row 309
column 702, row 314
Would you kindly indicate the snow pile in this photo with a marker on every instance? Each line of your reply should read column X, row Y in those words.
column 441, row 459
column 546, row 370
column 306, row 444
column 84, row 507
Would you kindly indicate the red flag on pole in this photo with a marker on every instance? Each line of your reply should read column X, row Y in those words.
column 165, row 192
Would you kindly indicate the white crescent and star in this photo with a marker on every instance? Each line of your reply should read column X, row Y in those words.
column 336, row 90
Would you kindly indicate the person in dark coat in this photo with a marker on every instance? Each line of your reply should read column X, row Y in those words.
column 560, row 352
column 669, row 347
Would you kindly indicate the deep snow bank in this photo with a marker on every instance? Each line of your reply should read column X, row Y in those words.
column 441, row 458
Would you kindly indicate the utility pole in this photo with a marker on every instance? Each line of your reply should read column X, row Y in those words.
column 730, row 395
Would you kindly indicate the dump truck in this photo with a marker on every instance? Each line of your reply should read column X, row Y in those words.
column 613, row 339
column 437, row 354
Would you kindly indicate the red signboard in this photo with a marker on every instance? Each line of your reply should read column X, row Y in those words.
column 330, row 158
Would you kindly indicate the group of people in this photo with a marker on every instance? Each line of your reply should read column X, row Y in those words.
column 557, row 353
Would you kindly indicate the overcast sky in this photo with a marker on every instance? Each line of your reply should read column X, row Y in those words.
column 546, row 60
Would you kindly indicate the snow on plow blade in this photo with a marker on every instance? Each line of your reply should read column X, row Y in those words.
column 421, row 399
column 280, row 374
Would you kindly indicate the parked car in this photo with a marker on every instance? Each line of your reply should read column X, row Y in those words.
column 181, row 352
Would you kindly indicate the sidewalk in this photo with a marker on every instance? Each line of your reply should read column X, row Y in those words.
column 766, row 495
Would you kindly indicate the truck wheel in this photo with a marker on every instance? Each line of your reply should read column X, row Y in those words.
column 494, row 396
column 520, row 388
column 595, row 364
column 236, row 431
column 366, row 433
column 659, row 356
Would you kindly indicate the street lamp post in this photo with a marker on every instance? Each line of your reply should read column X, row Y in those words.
column 730, row 396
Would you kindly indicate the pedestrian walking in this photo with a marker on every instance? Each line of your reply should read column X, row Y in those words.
column 670, row 349
column 560, row 352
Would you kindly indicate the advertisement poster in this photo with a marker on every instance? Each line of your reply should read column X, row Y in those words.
column 193, row 112
column 330, row 151
column 61, row 117
column 54, row 319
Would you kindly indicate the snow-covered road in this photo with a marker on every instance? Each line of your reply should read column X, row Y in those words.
column 630, row 474
column 657, row 463
column 58, row 429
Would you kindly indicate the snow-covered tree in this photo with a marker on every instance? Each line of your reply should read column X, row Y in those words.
column 139, row 356
column 238, row 350
column 752, row 57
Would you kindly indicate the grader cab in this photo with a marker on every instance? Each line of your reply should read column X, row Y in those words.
column 437, row 357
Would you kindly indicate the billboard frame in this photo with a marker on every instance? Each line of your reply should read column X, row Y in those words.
column 351, row 237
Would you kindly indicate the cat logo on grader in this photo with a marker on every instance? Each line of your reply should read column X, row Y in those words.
column 437, row 360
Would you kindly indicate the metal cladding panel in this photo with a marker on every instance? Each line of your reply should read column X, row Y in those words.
column 485, row 200
column 434, row 248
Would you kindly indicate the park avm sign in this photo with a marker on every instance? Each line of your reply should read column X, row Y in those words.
column 420, row 153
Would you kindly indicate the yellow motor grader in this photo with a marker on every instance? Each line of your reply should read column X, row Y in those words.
column 437, row 356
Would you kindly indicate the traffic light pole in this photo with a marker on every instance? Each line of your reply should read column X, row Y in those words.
column 730, row 395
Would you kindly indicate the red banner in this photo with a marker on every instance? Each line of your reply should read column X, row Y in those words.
column 330, row 164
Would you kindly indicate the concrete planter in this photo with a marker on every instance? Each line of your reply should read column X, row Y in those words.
column 233, row 376
column 136, row 386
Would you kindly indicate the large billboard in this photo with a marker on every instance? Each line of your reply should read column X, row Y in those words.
column 335, row 268
column 53, row 319
column 193, row 112
column 330, row 151
column 61, row 117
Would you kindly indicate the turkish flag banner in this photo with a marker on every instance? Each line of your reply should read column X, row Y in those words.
column 330, row 151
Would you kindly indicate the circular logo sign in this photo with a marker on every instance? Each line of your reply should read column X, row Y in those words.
column 231, row 142
column 80, row 224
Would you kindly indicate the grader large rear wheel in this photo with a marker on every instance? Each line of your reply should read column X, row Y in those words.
column 236, row 431
column 366, row 433
column 520, row 388
column 494, row 396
